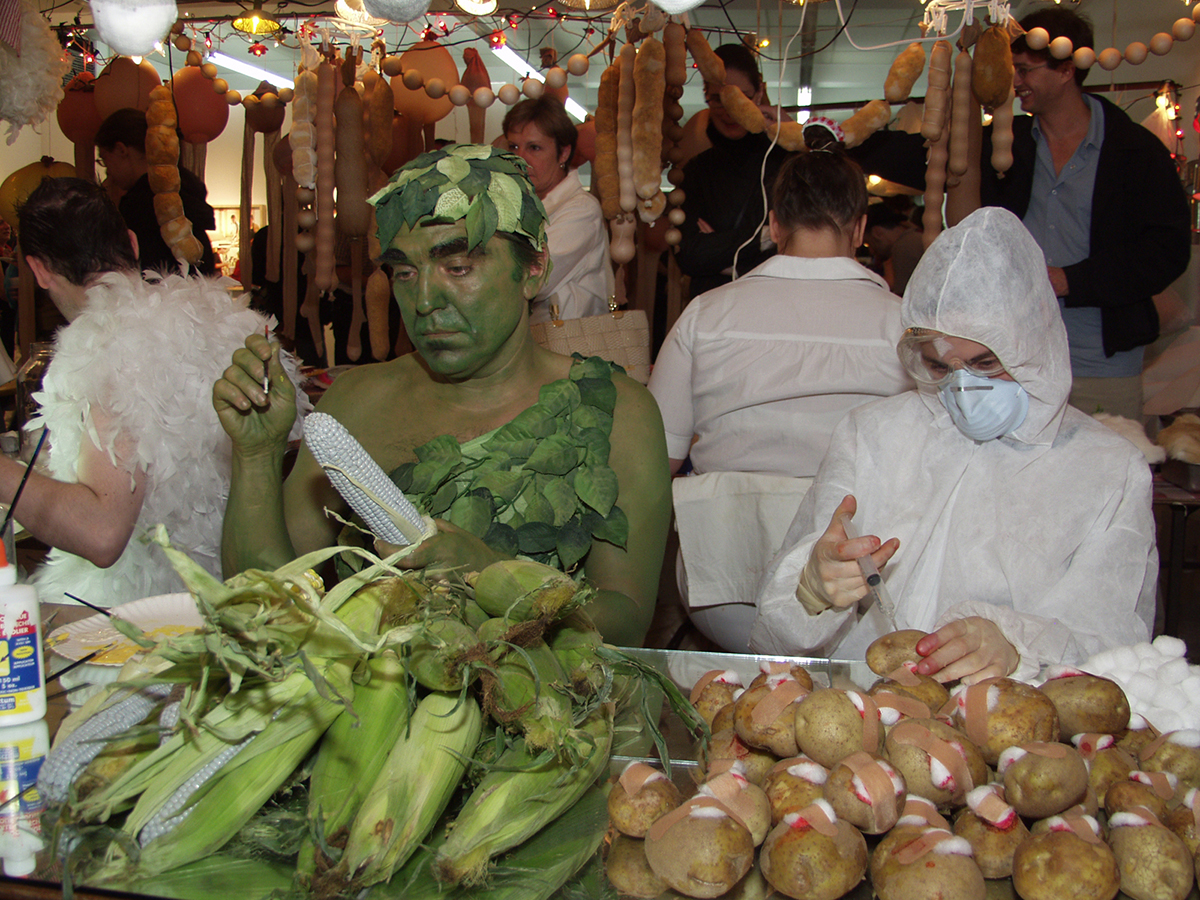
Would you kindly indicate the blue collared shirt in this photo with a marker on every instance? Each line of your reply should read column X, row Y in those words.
column 1060, row 219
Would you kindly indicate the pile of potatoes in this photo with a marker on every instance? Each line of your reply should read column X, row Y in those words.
column 990, row 790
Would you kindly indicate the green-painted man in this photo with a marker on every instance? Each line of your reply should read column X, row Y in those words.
column 483, row 427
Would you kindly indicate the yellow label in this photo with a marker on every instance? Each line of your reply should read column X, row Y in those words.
column 23, row 652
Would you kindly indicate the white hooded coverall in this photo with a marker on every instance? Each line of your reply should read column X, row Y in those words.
column 1046, row 531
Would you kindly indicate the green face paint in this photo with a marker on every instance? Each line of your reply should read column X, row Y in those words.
column 464, row 309
column 483, row 187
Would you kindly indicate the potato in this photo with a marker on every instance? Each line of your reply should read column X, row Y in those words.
column 993, row 829
column 713, row 691
column 1182, row 820
column 1042, row 779
column 628, row 871
column 700, row 849
column 919, row 863
column 1178, row 753
column 793, row 784
column 888, row 653
column 1129, row 795
column 765, row 716
column 813, row 854
column 748, row 801
column 769, row 668
column 1154, row 862
column 937, row 761
column 867, row 792
column 640, row 797
column 726, row 745
column 832, row 724
column 1087, row 703
column 723, row 720
column 1061, row 865
column 998, row 713
column 1107, row 763
column 925, row 690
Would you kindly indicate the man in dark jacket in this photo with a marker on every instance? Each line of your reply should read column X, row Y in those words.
column 121, row 145
column 1102, row 198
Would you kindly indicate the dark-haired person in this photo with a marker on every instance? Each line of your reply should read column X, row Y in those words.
column 723, row 185
column 121, row 146
column 1100, row 195
column 581, row 276
column 895, row 243
column 755, row 374
column 133, row 439
column 572, row 447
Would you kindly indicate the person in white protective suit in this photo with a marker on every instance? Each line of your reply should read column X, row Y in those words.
column 1023, row 528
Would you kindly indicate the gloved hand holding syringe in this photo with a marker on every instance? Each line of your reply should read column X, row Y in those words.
column 876, row 587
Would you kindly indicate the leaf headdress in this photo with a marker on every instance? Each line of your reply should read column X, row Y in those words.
column 485, row 187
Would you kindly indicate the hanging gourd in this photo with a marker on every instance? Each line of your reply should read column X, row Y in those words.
column 124, row 84
column 79, row 121
column 203, row 113
column 427, row 60
column 20, row 184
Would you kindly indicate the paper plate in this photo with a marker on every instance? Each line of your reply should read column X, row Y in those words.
column 159, row 618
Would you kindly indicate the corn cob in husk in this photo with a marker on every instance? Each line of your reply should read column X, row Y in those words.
column 521, row 590
column 413, row 788
column 524, row 791
column 523, row 689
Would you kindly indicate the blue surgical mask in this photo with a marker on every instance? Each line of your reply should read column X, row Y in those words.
column 983, row 408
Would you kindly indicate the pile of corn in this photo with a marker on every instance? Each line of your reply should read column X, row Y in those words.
column 434, row 726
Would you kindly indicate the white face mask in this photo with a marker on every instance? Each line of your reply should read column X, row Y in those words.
column 983, row 408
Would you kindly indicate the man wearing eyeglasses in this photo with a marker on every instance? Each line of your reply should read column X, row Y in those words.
column 1102, row 198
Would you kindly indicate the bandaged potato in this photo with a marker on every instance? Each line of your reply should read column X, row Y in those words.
column 913, row 863
column 714, row 690
column 1153, row 861
column 867, row 792
column 1177, row 752
column 1184, row 820
column 1107, row 763
column 894, row 649
column 998, row 713
column 641, row 796
column 765, row 716
column 1065, row 863
column 832, row 724
column 992, row 828
column 748, row 801
column 906, row 69
column 1154, row 791
column 771, row 668
column 793, row 784
column 938, row 762
column 1086, row 703
column 700, row 849
column 1042, row 779
column 727, row 746
column 814, row 854
column 907, row 683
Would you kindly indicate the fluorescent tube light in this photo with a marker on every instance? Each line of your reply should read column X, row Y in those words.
column 247, row 69
column 513, row 60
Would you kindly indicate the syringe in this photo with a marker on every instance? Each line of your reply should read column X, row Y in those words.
column 876, row 588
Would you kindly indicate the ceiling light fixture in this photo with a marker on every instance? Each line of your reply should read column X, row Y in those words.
column 477, row 7
column 256, row 22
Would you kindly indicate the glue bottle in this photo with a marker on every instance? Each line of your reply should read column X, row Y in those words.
column 22, row 677
column 23, row 749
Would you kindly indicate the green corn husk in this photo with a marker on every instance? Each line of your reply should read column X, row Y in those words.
column 436, row 656
column 575, row 640
column 534, row 870
column 521, row 590
column 522, row 794
column 355, row 748
column 413, row 789
column 217, row 877
column 524, row 689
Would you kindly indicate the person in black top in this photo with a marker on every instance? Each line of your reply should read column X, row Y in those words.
column 121, row 145
column 723, row 186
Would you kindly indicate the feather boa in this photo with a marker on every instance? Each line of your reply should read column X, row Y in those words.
column 32, row 80
column 139, row 362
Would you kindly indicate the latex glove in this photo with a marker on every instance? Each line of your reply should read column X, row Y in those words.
column 832, row 573
column 254, row 419
column 967, row 650
column 450, row 548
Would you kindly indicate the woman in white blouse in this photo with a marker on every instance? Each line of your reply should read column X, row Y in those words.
column 581, row 278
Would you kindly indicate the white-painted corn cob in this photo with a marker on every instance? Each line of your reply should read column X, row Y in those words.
column 168, row 719
column 172, row 813
column 72, row 755
column 370, row 493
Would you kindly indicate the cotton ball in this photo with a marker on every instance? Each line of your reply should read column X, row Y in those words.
column 1143, row 687
column 1191, row 686
column 1165, row 719
column 1170, row 646
column 1100, row 662
column 1150, row 666
column 1125, row 661
column 1173, row 671
column 133, row 27
column 1145, row 650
